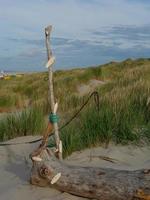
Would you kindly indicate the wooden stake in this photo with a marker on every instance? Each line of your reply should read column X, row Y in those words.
column 51, row 90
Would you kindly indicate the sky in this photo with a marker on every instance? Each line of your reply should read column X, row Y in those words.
column 85, row 32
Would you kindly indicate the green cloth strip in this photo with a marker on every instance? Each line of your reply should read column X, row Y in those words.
column 53, row 118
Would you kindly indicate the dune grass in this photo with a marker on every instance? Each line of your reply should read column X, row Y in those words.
column 25, row 91
column 27, row 122
column 124, row 115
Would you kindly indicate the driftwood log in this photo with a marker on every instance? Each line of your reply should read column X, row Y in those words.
column 90, row 182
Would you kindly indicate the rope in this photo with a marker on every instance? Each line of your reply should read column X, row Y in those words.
column 96, row 99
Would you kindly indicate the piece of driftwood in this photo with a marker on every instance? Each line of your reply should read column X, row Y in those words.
column 90, row 182
column 52, row 102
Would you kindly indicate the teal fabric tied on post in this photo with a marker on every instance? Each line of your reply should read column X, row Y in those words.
column 53, row 118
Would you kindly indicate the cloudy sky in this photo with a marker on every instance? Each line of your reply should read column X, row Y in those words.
column 85, row 32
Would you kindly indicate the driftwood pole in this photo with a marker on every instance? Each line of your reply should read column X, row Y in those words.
column 52, row 102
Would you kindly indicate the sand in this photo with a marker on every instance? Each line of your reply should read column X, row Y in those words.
column 15, row 167
column 90, row 86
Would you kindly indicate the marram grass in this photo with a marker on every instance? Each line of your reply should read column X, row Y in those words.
column 27, row 122
column 124, row 115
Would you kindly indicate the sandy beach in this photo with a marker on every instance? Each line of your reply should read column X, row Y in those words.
column 15, row 167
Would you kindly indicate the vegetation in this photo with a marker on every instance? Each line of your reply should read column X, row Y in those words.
column 124, row 114
column 22, row 92
column 27, row 122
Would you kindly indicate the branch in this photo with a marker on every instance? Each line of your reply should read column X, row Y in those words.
column 54, row 105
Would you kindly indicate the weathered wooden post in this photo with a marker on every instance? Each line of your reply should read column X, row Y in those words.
column 54, row 105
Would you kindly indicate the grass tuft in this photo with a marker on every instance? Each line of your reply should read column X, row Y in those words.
column 27, row 122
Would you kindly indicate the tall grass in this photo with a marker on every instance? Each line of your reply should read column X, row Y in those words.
column 124, row 115
column 34, row 87
column 121, row 124
column 27, row 122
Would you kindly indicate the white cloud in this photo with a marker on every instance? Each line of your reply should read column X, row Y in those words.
column 70, row 18
column 73, row 19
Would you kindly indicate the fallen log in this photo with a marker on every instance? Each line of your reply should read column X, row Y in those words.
column 90, row 182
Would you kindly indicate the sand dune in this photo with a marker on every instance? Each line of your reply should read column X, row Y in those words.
column 15, row 167
column 88, row 87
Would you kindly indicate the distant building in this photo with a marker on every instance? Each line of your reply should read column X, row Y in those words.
column 2, row 74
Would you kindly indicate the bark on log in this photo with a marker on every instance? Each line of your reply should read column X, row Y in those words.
column 93, row 183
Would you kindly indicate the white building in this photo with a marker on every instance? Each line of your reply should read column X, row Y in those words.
column 2, row 74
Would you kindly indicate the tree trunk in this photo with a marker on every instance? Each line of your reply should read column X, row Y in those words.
column 90, row 182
